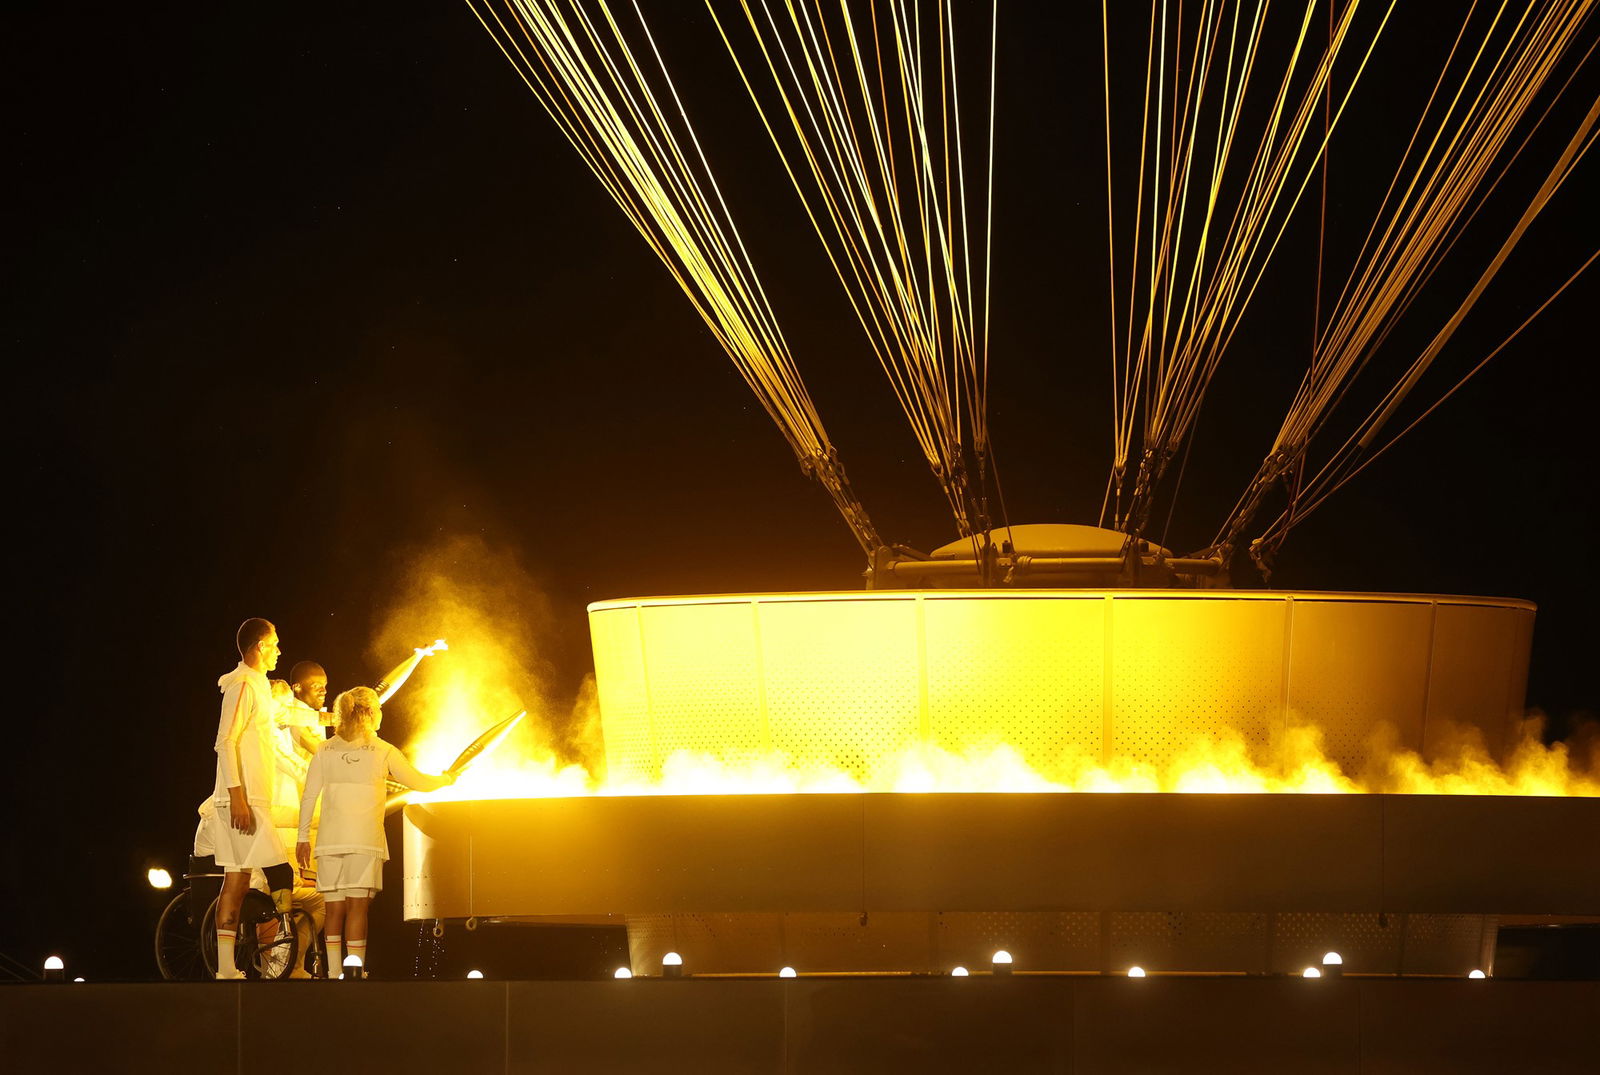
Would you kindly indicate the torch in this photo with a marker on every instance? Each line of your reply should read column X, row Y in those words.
column 476, row 749
column 401, row 672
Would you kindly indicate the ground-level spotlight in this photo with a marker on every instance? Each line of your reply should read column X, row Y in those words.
column 1311, row 972
column 1333, row 965
column 1477, row 974
column 1136, row 972
column 672, row 965
column 958, row 972
column 158, row 878
column 54, row 969
column 787, row 972
column 1000, row 962
column 622, row 972
column 77, row 979
column 474, row 974
column 353, row 969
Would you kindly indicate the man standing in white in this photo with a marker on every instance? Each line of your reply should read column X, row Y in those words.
column 348, row 772
column 241, row 833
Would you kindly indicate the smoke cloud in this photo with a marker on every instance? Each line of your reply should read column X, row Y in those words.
column 503, row 637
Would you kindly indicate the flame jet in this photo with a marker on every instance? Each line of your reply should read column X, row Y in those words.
column 397, row 676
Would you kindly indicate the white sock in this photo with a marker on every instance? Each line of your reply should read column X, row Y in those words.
column 225, row 964
column 335, row 967
column 359, row 950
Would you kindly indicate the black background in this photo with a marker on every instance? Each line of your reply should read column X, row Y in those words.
column 301, row 292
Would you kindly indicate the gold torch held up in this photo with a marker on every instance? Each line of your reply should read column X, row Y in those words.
column 476, row 749
column 397, row 676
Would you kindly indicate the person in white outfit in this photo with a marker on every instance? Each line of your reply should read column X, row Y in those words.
column 238, row 829
column 348, row 772
column 296, row 732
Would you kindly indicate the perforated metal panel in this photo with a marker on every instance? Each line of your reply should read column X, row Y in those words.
column 1368, row 943
column 852, row 679
column 1083, row 942
column 1356, row 664
column 710, row 703
column 1477, row 662
column 843, row 679
column 886, row 942
column 1184, row 670
column 1037, row 940
column 761, row 943
column 1444, row 943
column 1523, row 648
column 623, row 688
column 1208, row 941
column 709, row 943
column 1030, row 673
column 889, row 942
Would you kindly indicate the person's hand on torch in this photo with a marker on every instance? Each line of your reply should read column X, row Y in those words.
column 481, row 745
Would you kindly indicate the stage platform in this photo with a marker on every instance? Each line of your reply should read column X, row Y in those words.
column 1021, row 1024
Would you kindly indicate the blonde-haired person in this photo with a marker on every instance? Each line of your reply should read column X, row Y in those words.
column 348, row 772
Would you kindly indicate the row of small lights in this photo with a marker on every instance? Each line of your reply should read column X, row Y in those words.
column 672, row 967
column 1000, row 964
column 55, row 969
column 672, row 963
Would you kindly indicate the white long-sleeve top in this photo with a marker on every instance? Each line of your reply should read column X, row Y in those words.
column 244, row 737
column 350, row 778
column 291, row 757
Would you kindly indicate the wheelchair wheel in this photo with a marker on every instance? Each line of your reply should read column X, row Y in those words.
column 179, row 954
column 267, row 944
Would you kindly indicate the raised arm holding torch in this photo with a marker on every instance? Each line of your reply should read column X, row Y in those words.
column 395, row 679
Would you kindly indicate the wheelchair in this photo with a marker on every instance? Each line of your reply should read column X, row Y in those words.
column 268, row 946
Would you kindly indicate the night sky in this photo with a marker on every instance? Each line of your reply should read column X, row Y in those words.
column 302, row 293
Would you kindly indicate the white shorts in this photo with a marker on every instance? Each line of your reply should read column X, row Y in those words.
column 355, row 876
column 234, row 850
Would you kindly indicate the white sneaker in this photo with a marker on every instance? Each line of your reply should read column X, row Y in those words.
column 233, row 975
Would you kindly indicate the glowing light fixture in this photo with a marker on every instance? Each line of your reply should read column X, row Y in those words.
column 623, row 972
column 159, row 878
column 1000, row 962
column 1333, row 965
column 77, row 979
column 672, row 965
column 959, row 972
column 54, row 969
column 1135, row 972
column 1477, row 974
column 474, row 974
column 353, row 968
column 787, row 972
column 1311, row 972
